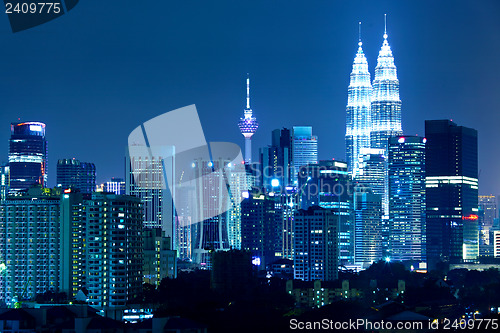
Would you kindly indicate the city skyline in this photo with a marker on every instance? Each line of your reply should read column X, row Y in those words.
column 299, row 80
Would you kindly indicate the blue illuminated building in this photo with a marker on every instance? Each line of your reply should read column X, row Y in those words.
column 407, row 198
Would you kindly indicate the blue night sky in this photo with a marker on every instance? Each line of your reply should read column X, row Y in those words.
column 99, row 71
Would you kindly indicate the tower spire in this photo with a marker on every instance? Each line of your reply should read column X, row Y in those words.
column 359, row 28
column 248, row 91
column 385, row 26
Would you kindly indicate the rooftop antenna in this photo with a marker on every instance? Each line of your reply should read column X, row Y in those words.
column 385, row 26
column 248, row 91
column 359, row 32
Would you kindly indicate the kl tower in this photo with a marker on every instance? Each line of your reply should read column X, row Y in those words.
column 248, row 126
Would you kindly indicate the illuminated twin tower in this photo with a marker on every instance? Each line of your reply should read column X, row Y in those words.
column 373, row 110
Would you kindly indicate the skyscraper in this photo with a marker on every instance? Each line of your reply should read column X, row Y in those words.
column 146, row 179
column 30, row 242
column 213, row 210
column 451, row 192
column 328, row 185
column 368, row 227
column 276, row 160
column 114, row 249
column 316, row 245
column 487, row 216
column 358, row 124
column 261, row 227
column 71, row 173
column 27, row 155
column 4, row 181
column 248, row 126
column 385, row 104
column 407, row 198
column 304, row 149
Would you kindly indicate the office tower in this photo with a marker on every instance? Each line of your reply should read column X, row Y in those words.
column 73, row 242
column 146, row 179
column 186, row 201
column 451, row 192
column 248, row 126
column 368, row 228
column 316, row 245
column 358, row 123
column 4, row 181
column 27, row 156
column 328, row 185
column 286, row 203
column 385, row 103
column 239, row 183
column 276, row 160
column 407, row 198
column 372, row 176
column 71, row 173
column 486, row 216
column 29, row 239
column 160, row 261
column 213, row 210
column 261, row 227
column 304, row 149
column 114, row 249
column 116, row 186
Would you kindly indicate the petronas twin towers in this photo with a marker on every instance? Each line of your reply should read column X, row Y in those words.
column 373, row 110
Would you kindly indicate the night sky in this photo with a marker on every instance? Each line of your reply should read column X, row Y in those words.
column 99, row 71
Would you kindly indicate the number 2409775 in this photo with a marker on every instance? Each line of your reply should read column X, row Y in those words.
column 33, row 8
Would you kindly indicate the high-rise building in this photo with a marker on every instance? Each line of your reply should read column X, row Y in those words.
column 146, row 179
column 116, row 186
column 371, row 173
column 487, row 214
column 261, row 228
column 30, row 242
column 328, row 185
column 248, row 126
column 160, row 261
column 114, row 249
column 372, row 176
column 73, row 241
column 407, row 198
column 451, row 192
column 27, row 155
column 304, row 149
column 368, row 227
column 358, row 123
column 239, row 183
column 4, row 181
column 71, row 173
column 385, row 104
column 276, row 160
column 213, row 210
column 316, row 245
column 286, row 203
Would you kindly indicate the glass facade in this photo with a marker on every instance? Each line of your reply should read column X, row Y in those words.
column 27, row 156
column 304, row 149
column 358, row 123
column 385, row 104
column 451, row 192
column 407, row 198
